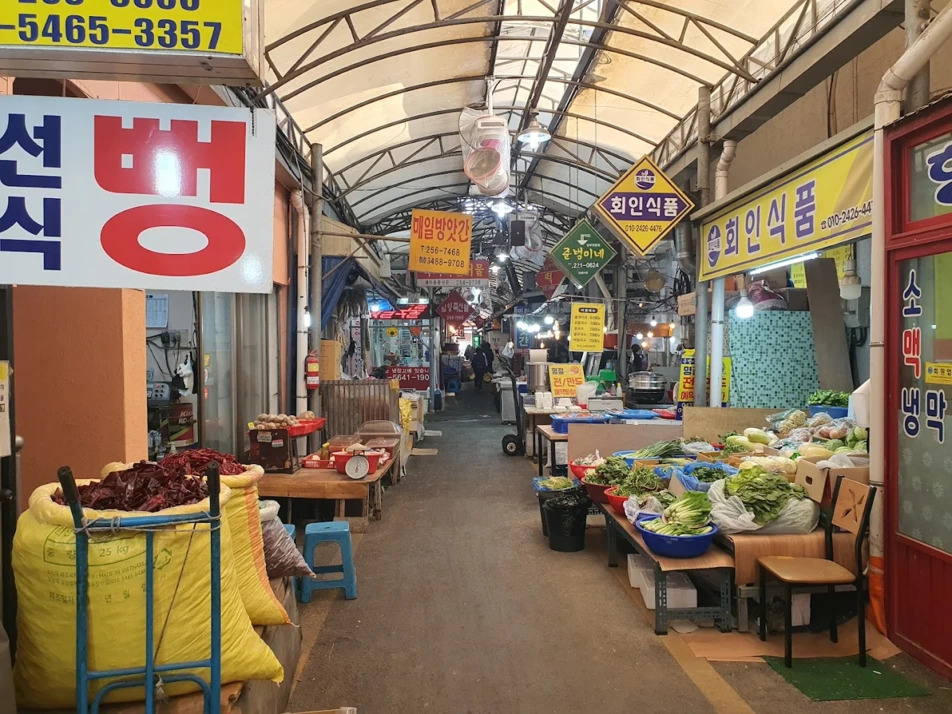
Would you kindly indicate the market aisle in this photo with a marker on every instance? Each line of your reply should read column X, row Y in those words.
column 463, row 608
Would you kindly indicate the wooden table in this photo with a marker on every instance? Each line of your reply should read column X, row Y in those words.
column 546, row 431
column 329, row 485
column 714, row 559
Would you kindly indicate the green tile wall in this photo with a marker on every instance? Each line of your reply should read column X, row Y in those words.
column 773, row 361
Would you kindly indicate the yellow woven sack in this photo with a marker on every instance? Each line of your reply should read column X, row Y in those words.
column 241, row 515
column 44, row 552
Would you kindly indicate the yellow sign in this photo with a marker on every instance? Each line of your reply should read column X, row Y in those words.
column 202, row 26
column 587, row 328
column 392, row 331
column 798, row 273
column 685, row 393
column 440, row 242
column 643, row 206
column 564, row 379
column 827, row 202
column 936, row 372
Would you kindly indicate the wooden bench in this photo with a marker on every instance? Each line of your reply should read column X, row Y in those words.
column 715, row 559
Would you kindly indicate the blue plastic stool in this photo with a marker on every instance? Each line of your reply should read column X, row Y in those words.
column 316, row 533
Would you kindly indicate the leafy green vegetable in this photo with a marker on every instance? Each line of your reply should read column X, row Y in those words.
column 660, row 450
column 708, row 474
column 659, row 526
column 734, row 448
column 640, row 480
column 829, row 398
column 611, row 473
column 691, row 510
column 556, row 483
column 764, row 494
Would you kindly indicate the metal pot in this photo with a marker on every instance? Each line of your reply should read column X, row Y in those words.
column 647, row 381
column 538, row 376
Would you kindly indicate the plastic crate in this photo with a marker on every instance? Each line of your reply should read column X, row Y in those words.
column 560, row 424
column 622, row 415
column 676, row 546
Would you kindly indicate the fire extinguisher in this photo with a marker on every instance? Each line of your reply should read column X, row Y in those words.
column 312, row 370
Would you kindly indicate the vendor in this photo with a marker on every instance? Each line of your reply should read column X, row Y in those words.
column 639, row 359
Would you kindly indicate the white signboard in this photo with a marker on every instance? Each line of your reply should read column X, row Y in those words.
column 130, row 195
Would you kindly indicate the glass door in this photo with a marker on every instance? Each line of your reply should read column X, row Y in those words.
column 217, row 364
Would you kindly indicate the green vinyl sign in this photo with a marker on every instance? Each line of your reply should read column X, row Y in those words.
column 582, row 253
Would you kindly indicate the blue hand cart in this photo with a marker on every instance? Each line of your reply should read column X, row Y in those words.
column 151, row 674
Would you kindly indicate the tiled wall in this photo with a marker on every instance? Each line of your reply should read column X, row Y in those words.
column 773, row 361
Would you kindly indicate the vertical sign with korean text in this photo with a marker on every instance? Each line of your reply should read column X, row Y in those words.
column 582, row 253
column 587, row 327
column 925, row 376
column 643, row 206
column 827, row 202
column 6, row 443
column 564, row 379
column 134, row 195
column 440, row 242
column 521, row 339
column 685, row 389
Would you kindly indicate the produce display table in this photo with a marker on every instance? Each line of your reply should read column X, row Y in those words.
column 329, row 485
column 714, row 559
column 547, row 432
column 536, row 417
column 747, row 548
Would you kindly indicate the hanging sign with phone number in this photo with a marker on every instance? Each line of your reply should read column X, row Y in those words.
column 203, row 26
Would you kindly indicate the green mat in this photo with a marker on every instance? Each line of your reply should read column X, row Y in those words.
column 827, row 680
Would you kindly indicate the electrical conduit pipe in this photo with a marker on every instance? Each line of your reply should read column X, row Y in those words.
column 886, row 110
column 303, row 259
column 717, row 299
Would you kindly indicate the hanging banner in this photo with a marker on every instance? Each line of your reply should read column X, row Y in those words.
column 129, row 195
column 582, row 253
column 455, row 310
column 685, row 392
column 825, row 203
column 192, row 41
column 478, row 277
column 440, row 242
column 549, row 278
column 642, row 207
column 5, row 440
column 587, row 328
column 564, row 379
column 410, row 377
column 798, row 271
column 521, row 339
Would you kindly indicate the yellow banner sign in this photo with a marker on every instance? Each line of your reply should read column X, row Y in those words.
column 564, row 379
column 798, row 273
column 939, row 372
column 822, row 204
column 440, row 242
column 685, row 393
column 587, row 328
column 200, row 26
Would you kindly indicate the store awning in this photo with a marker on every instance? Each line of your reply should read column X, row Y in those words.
column 332, row 287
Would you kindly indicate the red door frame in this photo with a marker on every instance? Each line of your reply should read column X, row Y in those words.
column 905, row 240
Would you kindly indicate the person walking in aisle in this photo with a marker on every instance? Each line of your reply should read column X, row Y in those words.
column 479, row 365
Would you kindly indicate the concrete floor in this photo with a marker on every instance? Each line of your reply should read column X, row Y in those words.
column 462, row 607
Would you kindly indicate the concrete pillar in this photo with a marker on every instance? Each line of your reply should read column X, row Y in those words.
column 79, row 356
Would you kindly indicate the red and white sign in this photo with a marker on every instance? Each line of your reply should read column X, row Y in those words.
column 410, row 377
column 136, row 195
column 549, row 278
column 478, row 277
column 455, row 310
column 411, row 312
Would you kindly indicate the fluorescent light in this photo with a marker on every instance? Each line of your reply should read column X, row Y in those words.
column 784, row 263
column 522, row 325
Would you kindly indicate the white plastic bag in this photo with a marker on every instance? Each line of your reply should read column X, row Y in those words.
column 651, row 505
column 731, row 516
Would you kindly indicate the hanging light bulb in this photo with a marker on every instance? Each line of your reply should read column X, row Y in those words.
column 851, row 287
column 650, row 335
column 645, row 345
column 744, row 308
column 653, row 323
column 501, row 208
column 548, row 319
column 534, row 135
column 673, row 325
column 640, row 336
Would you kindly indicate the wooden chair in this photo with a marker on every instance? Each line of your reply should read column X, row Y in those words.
column 852, row 504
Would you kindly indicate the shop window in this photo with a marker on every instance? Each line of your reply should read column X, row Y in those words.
column 218, row 311
column 925, row 393
column 930, row 178
column 254, row 379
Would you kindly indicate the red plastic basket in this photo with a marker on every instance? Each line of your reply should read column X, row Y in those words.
column 617, row 502
column 596, row 491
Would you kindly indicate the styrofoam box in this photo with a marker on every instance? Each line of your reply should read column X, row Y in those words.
column 637, row 564
column 681, row 591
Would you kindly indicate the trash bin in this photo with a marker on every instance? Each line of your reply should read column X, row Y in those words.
column 564, row 518
column 544, row 496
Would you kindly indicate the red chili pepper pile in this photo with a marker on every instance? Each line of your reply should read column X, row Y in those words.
column 194, row 462
column 146, row 487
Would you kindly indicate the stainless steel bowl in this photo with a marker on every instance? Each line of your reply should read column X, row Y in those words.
column 647, row 381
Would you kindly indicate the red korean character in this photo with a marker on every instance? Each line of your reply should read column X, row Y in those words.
column 150, row 161
column 912, row 349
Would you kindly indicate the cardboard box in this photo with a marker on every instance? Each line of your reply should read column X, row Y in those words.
column 687, row 304
column 330, row 359
column 796, row 298
column 819, row 482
